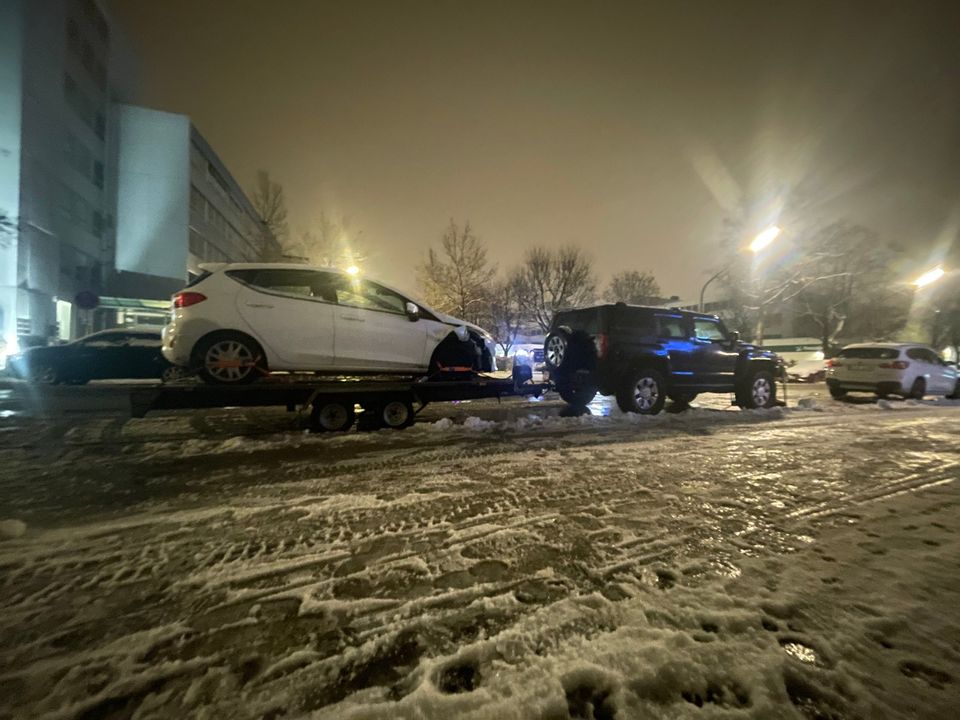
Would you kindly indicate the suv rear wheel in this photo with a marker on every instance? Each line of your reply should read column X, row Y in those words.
column 575, row 392
column 643, row 392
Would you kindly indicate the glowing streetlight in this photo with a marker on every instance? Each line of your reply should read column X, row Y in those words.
column 353, row 270
column 764, row 238
column 930, row 276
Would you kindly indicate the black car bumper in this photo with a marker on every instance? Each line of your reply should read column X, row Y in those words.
column 880, row 388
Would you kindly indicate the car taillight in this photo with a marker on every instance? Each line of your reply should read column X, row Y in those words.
column 895, row 365
column 186, row 299
column 601, row 342
column 832, row 363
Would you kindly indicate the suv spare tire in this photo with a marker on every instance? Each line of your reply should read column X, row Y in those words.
column 555, row 348
column 642, row 391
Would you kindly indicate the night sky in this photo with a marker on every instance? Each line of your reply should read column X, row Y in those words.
column 631, row 129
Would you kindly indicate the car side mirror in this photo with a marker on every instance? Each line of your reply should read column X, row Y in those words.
column 413, row 311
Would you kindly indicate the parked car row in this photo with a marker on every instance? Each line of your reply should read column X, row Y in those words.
column 238, row 322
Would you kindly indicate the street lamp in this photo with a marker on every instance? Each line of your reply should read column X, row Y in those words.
column 761, row 241
column 929, row 277
column 353, row 270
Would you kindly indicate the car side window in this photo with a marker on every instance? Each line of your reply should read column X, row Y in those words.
column 921, row 355
column 105, row 340
column 303, row 283
column 370, row 296
column 670, row 327
column 708, row 330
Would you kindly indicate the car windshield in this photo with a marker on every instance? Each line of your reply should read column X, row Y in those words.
column 870, row 353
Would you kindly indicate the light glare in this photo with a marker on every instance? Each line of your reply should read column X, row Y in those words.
column 353, row 270
column 928, row 277
column 764, row 238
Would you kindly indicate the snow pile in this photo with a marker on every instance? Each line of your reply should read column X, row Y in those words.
column 10, row 529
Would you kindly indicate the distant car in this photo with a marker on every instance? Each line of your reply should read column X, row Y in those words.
column 239, row 321
column 905, row 369
column 119, row 353
column 807, row 371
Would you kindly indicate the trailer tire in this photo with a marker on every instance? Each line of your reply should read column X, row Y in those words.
column 396, row 414
column 332, row 416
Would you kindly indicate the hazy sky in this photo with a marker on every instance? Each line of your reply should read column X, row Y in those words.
column 631, row 129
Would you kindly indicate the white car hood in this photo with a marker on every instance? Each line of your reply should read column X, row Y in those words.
column 451, row 320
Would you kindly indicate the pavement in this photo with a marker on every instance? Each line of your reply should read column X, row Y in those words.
column 496, row 560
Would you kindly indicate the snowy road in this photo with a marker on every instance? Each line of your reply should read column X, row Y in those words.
column 714, row 563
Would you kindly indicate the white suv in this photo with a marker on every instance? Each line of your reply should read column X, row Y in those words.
column 238, row 321
column 905, row 369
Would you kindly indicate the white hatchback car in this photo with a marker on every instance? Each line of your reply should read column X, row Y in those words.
column 238, row 321
column 905, row 369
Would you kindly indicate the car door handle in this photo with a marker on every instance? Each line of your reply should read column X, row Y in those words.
column 259, row 305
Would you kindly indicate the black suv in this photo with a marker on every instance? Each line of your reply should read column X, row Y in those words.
column 644, row 355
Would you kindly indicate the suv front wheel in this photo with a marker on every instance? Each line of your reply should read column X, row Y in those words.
column 759, row 391
column 643, row 391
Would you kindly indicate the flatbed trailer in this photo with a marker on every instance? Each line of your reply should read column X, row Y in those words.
column 385, row 403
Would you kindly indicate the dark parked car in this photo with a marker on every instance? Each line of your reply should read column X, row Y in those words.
column 119, row 353
column 644, row 355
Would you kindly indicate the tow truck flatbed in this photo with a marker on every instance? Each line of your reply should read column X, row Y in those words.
column 385, row 402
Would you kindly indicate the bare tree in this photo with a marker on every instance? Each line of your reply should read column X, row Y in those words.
column 507, row 312
column 846, row 287
column 556, row 280
column 270, row 203
column 630, row 286
column 329, row 243
column 457, row 278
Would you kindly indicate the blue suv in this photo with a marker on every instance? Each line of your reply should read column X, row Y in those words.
column 644, row 355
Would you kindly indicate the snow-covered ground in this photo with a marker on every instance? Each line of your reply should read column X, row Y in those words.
column 506, row 563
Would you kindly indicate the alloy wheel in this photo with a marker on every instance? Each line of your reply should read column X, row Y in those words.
column 761, row 392
column 229, row 361
column 645, row 393
column 556, row 350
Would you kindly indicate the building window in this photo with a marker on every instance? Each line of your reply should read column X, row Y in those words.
column 97, row 225
column 100, row 126
column 98, row 174
column 197, row 203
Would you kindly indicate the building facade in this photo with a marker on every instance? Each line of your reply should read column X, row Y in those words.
column 105, row 207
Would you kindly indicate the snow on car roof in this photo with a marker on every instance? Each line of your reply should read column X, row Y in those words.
column 885, row 345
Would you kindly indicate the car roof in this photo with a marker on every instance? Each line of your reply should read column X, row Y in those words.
column 217, row 267
column 152, row 329
column 650, row 308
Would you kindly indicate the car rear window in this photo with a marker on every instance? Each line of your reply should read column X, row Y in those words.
column 870, row 353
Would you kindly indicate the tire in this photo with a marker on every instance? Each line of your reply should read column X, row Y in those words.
column 171, row 373
column 760, row 391
column 332, row 416
column 43, row 375
column 643, row 392
column 229, row 359
column 555, row 348
column 396, row 414
column 576, row 394
column 955, row 395
column 838, row 393
column 918, row 389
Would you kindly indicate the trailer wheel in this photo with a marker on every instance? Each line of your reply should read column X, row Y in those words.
column 335, row 416
column 397, row 414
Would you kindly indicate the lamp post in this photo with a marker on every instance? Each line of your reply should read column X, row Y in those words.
column 925, row 280
column 762, row 240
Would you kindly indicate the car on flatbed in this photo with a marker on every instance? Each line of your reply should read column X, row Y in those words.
column 237, row 322
column 643, row 355
column 910, row 370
